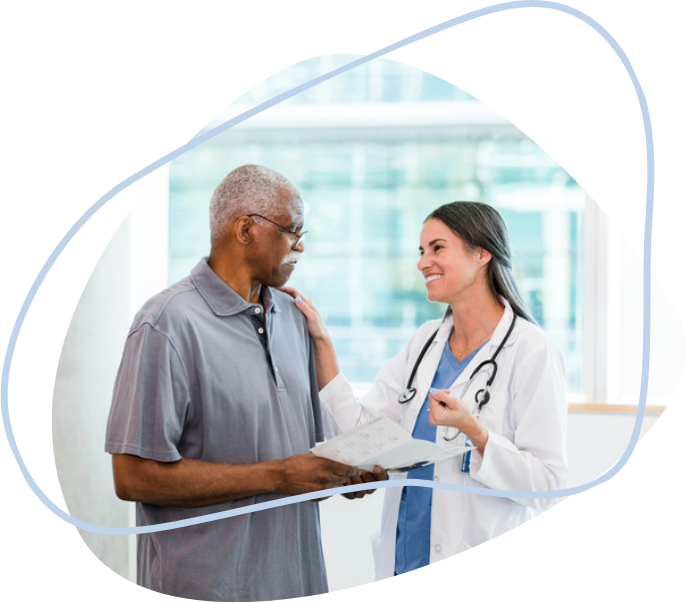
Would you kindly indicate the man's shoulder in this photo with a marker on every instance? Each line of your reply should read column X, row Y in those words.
column 287, row 306
column 168, row 308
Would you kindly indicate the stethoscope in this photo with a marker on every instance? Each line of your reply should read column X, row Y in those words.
column 481, row 397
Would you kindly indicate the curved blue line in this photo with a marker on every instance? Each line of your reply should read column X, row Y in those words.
column 266, row 105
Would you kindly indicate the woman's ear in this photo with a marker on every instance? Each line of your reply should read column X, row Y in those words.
column 484, row 256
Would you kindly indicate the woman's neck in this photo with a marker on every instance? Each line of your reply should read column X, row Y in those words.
column 474, row 320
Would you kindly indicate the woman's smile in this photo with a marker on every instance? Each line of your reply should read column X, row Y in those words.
column 431, row 277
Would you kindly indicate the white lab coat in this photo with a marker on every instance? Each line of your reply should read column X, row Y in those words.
column 526, row 419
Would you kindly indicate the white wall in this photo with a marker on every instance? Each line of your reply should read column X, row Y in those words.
column 81, row 402
column 132, row 268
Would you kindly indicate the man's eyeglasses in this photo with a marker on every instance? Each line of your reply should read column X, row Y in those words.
column 299, row 237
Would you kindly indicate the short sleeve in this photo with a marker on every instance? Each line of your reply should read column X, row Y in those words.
column 150, row 399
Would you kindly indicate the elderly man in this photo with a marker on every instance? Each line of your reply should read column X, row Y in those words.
column 216, row 406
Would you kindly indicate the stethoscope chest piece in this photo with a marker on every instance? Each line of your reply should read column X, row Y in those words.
column 482, row 397
column 407, row 395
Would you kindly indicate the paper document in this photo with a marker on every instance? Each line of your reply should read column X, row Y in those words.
column 382, row 442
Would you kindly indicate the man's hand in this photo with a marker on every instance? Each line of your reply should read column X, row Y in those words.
column 309, row 473
column 378, row 474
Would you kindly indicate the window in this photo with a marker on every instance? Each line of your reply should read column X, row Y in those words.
column 374, row 151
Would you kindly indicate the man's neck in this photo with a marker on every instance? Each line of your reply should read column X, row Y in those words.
column 237, row 276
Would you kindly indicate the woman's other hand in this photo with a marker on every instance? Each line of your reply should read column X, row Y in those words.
column 445, row 409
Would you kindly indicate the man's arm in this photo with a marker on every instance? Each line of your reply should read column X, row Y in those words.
column 192, row 483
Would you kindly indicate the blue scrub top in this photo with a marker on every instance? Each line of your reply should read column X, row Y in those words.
column 415, row 511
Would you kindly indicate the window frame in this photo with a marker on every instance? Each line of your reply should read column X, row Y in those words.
column 602, row 328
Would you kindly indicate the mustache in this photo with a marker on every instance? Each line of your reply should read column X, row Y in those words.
column 292, row 256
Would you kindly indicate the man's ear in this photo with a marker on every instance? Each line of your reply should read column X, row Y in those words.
column 243, row 230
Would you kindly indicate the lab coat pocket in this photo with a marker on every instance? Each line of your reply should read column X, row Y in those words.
column 495, row 415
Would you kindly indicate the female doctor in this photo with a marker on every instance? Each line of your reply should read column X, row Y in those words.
column 486, row 374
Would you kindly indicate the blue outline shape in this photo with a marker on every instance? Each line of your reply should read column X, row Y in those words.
column 646, row 323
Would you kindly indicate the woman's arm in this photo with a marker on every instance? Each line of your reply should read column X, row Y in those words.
column 535, row 459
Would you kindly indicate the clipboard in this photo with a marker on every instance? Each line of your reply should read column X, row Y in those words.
column 382, row 442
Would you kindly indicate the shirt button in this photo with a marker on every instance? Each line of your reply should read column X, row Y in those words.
column 437, row 548
column 257, row 310
column 261, row 330
column 276, row 369
column 436, row 478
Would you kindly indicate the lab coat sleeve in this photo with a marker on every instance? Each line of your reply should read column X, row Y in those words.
column 535, row 461
column 345, row 412
column 339, row 405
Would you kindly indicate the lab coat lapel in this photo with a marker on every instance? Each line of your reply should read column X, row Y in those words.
column 428, row 366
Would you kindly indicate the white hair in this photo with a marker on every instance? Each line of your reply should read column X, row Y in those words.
column 249, row 189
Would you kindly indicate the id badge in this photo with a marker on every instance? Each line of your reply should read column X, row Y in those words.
column 465, row 465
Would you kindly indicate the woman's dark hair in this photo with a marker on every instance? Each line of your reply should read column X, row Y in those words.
column 479, row 225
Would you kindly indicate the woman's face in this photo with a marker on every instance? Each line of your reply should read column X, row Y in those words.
column 451, row 272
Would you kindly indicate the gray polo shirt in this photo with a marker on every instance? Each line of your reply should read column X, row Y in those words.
column 207, row 375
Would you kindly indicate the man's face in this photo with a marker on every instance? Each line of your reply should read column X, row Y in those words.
column 275, row 256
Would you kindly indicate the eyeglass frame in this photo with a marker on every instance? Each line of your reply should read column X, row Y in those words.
column 299, row 237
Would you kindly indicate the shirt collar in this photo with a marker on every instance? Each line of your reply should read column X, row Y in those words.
column 221, row 298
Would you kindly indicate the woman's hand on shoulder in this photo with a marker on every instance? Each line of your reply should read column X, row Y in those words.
column 316, row 326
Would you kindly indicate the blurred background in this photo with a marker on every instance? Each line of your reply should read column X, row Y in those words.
column 373, row 152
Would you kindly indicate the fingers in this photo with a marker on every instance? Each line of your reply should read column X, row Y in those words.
column 378, row 474
column 296, row 294
column 444, row 398
column 381, row 473
column 338, row 474
column 437, row 411
column 304, row 304
column 366, row 477
column 309, row 473
column 343, row 470
column 353, row 481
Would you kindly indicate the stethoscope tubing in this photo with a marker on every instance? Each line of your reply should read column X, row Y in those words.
column 481, row 396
